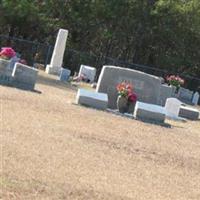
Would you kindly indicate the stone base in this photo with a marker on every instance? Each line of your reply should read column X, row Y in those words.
column 92, row 99
column 149, row 112
column 189, row 113
column 53, row 70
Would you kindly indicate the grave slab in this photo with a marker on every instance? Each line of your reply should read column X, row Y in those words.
column 189, row 113
column 149, row 112
column 92, row 99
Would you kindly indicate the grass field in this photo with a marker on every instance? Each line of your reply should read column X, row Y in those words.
column 53, row 149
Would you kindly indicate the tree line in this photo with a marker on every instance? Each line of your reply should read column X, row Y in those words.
column 160, row 33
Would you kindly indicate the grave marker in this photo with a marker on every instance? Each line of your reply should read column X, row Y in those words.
column 24, row 76
column 172, row 107
column 195, row 98
column 146, row 86
column 89, row 72
column 58, row 53
column 185, row 94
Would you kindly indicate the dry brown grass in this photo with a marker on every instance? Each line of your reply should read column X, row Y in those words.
column 52, row 149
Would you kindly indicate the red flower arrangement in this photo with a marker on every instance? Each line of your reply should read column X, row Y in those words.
column 7, row 53
column 132, row 97
column 125, row 89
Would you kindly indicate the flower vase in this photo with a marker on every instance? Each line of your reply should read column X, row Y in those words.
column 122, row 104
column 177, row 89
column 131, row 107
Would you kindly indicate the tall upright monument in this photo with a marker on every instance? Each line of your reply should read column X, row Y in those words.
column 57, row 58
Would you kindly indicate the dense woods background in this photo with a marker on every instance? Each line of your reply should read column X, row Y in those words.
column 164, row 34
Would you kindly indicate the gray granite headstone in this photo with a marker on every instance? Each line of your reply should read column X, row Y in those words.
column 146, row 86
column 195, row 98
column 165, row 92
column 24, row 76
column 5, row 72
column 13, row 60
column 4, row 63
column 185, row 94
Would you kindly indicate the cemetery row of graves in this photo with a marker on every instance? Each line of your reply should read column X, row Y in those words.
column 118, row 90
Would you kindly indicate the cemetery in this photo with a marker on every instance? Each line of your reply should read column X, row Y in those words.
column 81, row 128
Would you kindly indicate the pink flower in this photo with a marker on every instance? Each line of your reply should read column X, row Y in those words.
column 7, row 52
column 175, row 80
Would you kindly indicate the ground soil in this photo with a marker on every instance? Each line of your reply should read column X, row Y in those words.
column 54, row 149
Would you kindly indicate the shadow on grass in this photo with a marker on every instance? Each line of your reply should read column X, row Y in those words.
column 21, row 87
column 163, row 124
column 51, row 81
column 117, row 113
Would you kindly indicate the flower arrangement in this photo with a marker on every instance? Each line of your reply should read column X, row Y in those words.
column 132, row 97
column 7, row 53
column 175, row 81
column 125, row 90
column 127, row 98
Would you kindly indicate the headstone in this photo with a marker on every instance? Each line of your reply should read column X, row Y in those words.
column 88, row 72
column 185, row 95
column 64, row 74
column 24, row 76
column 92, row 99
column 147, row 87
column 4, row 63
column 13, row 60
column 149, row 112
column 172, row 107
column 5, row 72
column 58, row 53
column 189, row 113
column 165, row 92
column 195, row 98
column 162, row 80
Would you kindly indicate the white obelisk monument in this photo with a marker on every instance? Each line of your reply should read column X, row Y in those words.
column 57, row 58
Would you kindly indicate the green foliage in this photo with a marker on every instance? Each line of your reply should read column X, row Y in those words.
column 161, row 33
